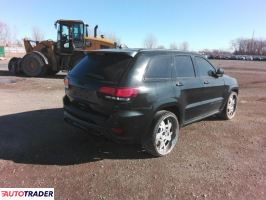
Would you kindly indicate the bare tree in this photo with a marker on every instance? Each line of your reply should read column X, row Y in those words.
column 234, row 45
column 112, row 36
column 161, row 47
column 18, row 43
column 173, row 45
column 37, row 34
column 4, row 34
column 150, row 42
column 184, row 46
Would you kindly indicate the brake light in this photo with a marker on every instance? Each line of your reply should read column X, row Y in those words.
column 119, row 93
column 66, row 83
column 117, row 131
column 126, row 92
column 108, row 90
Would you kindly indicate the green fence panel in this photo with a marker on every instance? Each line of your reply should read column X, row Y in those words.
column 2, row 51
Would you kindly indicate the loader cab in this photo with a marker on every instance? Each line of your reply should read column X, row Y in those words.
column 70, row 35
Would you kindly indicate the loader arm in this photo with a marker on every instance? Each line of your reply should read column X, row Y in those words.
column 27, row 45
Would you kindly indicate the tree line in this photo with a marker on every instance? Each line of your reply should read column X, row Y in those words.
column 246, row 46
column 151, row 42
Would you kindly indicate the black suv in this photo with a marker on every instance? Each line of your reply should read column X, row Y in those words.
column 145, row 96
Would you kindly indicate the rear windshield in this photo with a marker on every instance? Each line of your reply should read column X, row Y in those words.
column 102, row 66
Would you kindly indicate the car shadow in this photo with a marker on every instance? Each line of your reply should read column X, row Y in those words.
column 56, row 76
column 42, row 137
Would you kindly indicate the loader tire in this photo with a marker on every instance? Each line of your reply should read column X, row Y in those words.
column 32, row 65
column 14, row 65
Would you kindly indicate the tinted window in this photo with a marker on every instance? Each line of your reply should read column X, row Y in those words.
column 203, row 66
column 102, row 66
column 77, row 31
column 184, row 66
column 160, row 66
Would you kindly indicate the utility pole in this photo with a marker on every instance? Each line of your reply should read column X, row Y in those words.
column 252, row 42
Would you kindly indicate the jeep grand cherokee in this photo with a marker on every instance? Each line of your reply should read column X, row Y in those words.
column 145, row 96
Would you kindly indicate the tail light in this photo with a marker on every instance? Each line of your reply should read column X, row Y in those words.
column 117, row 131
column 66, row 83
column 124, row 94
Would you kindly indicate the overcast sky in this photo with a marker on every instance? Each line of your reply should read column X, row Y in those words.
column 203, row 24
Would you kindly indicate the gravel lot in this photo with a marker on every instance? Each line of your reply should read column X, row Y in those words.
column 213, row 160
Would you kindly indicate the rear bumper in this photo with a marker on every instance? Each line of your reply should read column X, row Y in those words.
column 132, row 123
column 74, row 121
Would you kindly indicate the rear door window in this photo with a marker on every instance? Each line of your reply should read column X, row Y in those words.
column 183, row 66
column 160, row 66
column 102, row 66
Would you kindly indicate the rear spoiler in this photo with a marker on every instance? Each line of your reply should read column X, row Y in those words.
column 110, row 51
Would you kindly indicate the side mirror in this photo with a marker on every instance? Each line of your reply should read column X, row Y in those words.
column 219, row 72
column 212, row 73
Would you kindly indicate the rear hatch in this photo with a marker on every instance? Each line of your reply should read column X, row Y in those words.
column 96, row 70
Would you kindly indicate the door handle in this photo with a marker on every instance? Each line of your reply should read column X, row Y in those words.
column 206, row 82
column 178, row 83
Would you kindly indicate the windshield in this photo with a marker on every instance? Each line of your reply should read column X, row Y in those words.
column 102, row 66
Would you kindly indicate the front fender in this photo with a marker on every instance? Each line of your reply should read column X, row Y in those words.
column 231, row 83
column 44, row 58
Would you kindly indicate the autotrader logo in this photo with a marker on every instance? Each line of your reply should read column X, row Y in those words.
column 27, row 193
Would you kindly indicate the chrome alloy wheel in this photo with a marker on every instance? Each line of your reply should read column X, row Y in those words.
column 231, row 106
column 165, row 136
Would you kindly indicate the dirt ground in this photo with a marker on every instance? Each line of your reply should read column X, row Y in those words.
column 214, row 159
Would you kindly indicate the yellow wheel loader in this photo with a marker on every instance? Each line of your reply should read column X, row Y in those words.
column 49, row 57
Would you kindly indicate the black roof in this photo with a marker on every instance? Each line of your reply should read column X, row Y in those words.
column 133, row 51
column 66, row 21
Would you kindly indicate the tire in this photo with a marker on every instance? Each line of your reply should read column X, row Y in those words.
column 11, row 64
column 159, row 142
column 32, row 65
column 14, row 66
column 229, row 110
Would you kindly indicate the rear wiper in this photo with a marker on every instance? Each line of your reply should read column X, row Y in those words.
column 95, row 76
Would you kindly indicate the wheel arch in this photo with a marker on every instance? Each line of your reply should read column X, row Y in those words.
column 235, row 89
column 174, row 108
column 43, row 57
